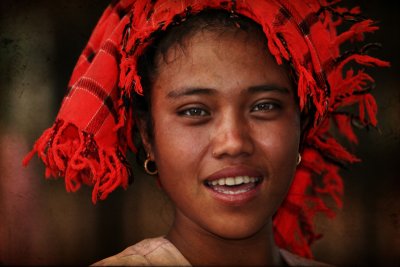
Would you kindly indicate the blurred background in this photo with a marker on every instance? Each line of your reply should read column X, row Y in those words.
column 42, row 224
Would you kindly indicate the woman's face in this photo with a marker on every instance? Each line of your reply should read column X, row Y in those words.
column 226, row 133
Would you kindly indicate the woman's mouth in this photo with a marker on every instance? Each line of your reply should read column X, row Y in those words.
column 233, row 185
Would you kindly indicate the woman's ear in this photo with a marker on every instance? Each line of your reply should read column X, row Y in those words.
column 145, row 136
column 305, row 125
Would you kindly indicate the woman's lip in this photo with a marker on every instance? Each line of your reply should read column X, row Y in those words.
column 237, row 199
column 234, row 171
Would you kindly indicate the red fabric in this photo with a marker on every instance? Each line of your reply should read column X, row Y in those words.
column 88, row 142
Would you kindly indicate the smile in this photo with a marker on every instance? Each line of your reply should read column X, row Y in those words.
column 233, row 185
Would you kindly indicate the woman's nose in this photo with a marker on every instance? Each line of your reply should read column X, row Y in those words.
column 232, row 138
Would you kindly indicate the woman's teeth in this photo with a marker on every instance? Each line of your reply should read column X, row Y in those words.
column 231, row 181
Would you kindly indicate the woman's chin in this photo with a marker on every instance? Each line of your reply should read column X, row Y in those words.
column 235, row 231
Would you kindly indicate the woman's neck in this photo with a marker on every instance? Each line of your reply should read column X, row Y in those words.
column 204, row 248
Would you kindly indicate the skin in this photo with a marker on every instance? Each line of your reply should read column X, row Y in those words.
column 222, row 103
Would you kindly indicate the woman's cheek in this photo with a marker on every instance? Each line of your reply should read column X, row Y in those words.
column 178, row 144
column 279, row 143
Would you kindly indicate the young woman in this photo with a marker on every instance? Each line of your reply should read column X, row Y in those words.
column 228, row 97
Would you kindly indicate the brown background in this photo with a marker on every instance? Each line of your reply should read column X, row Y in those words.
column 40, row 223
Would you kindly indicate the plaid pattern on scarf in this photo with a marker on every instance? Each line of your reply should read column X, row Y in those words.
column 91, row 135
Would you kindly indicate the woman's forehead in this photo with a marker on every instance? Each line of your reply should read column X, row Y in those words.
column 215, row 42
column 213, row 61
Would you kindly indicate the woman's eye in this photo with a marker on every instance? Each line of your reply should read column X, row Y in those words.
column 266, row 106
column 194, row 112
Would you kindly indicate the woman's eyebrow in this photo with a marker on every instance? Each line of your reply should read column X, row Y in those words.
column 209, row 91
column 191, row 91
column 268, row 88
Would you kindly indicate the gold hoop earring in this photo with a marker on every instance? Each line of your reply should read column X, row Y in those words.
column 146, row 166
column 298, row 159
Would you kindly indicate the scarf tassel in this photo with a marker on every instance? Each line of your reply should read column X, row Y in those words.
column 293, row 223
column 104, row 169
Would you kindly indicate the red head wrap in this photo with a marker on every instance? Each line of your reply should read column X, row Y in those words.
column 92, row 133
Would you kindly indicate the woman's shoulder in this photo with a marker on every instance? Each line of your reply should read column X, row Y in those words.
column 148, row 252
column 296, row 260
column 160, row 252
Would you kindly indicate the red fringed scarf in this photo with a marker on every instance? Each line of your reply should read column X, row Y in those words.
column 89, row 140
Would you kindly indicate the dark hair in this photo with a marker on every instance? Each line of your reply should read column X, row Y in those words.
column 217, row 21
